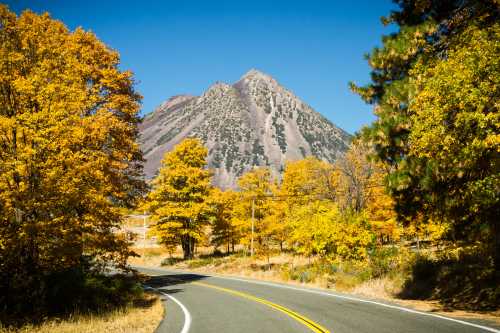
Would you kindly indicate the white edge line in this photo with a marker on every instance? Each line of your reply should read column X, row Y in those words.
column 486, row 328
column 187, row 315
column 312, row 291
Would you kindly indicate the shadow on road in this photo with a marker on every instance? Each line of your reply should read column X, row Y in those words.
column 170, row 291
column 172, row 280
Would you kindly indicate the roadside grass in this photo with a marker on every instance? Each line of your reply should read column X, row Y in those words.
column 150, row 256
column 419, row 280
column 142, row 316
column 283, row 267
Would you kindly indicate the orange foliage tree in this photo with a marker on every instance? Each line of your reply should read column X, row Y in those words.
column 68, row 155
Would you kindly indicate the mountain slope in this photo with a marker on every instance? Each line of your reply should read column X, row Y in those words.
column 252, row 122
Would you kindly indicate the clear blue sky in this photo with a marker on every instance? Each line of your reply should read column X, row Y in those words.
column 312, row 47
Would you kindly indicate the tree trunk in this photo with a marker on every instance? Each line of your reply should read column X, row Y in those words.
column 187, row 247
column 496, row 245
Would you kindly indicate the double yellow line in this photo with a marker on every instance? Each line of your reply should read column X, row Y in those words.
column 301, row 319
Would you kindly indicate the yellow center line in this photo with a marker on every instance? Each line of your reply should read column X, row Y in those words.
column 300, row 318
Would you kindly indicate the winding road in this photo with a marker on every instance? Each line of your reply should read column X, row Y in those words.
column 198, row 303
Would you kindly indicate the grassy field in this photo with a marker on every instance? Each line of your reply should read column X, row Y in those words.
column 141, row 317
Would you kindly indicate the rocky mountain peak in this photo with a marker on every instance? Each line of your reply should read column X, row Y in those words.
column 253, row 74
column 256, row 77
column 254, row 122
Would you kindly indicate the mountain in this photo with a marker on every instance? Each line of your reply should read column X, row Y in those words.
column 255, row 121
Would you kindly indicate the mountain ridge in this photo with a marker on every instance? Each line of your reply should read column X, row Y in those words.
column 254, row 121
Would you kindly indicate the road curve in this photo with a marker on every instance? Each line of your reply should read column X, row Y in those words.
column 220, row 304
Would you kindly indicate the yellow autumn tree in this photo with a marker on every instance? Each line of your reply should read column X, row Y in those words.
column 68, row 156
column 255, row 187
column 355, row 180
column 380, row 210
column 319, row 228
column 304, row 181
column 422, row 232
column 276, row 220
column 361, row 189
column 225, row 229
column 312, row 225
column 178, row 201
column 308, row 179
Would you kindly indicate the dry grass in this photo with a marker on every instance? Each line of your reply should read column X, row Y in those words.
column 384, row 288
column 151, row 256
column 257, row 268
column 142, row 318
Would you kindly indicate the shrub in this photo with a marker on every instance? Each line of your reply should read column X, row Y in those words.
column 464, row 279
column 76, row 289
column 170, row 261
column 384, row 260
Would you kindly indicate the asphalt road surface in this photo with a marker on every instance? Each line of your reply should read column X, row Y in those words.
column 198, row 303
